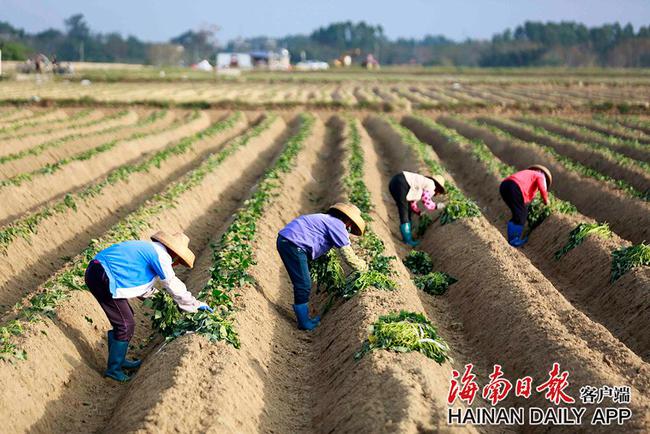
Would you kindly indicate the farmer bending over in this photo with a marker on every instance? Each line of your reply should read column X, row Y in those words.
column 518, row 191
column 311, row 236
column 130, row 269
column 407, row 188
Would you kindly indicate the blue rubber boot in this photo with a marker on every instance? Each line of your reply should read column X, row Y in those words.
column 302, row 315
column 514, row 234
column 116, row 355
column 128, row 364
column 407, row 235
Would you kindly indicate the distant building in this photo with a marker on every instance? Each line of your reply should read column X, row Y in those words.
column 234, row 61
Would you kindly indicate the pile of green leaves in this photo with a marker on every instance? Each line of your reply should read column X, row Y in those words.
column 327, row 271
column 405, row 332
column 458, row 206
column 538, row 212
column 418, row 262
column 434, row 283
column 72, row 278
column 627, row 258
column 577, row 236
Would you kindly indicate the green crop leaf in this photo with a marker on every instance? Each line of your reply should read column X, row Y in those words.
column 405, row 332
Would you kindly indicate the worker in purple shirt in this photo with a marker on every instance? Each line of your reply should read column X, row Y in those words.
column 311, row 236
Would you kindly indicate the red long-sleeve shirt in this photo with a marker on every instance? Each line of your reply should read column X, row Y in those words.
column 529, row 181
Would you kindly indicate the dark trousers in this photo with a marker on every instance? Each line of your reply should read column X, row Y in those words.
column 117, row 310
column 399, row 188
column 511, row 194
column 296, row 262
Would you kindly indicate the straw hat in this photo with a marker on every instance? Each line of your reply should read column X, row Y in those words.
column 177, row 243
column 353, row 213
column 547, row 172
column 440, row 183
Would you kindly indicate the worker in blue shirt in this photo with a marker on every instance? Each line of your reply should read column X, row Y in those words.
column 131, row 269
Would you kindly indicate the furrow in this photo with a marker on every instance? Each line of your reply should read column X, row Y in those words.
column 79, row 172
column 64, row 390
column 509, row 313
column 40, row 242
column 605, row 201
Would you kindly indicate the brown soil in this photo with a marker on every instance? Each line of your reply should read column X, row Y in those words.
column 60, row 382
column 43, row 188
column 86, row 137
column 509, row 312
column 629, row 217
column 584, row 154
column 55, row 238
column 626, row 134
column 583, row 276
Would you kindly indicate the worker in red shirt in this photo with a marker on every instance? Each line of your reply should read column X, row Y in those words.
column 518, row 191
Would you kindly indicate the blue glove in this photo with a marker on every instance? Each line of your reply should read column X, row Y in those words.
column 206, row 307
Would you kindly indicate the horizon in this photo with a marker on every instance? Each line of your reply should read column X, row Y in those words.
column 36, row 16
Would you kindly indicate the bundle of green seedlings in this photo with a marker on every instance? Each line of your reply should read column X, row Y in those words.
column 327, row 270
column 578, row 235
column 404, row 332
column 431, row 282
column 50, row 168
column 232, row 257
column 168, row 320
column 627, row 258
column 28, row 225
column 458, row 206
column 573, row 165
column 39, row 149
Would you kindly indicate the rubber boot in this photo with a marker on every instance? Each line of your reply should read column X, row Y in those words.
column 302, row 315
column 514, row 234
column 116, row 355
column 407, row 236
column 128, row 364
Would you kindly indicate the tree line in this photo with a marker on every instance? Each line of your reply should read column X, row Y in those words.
column 530, row 44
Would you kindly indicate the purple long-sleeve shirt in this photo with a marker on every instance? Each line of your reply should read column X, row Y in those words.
column 316, row 233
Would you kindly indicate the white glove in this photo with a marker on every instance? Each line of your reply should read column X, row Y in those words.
column 440, row 206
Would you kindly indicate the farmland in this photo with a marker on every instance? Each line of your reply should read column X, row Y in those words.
column 230, row 162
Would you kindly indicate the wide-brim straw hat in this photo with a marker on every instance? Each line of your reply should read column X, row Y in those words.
column 354, row 214
column 440, row 183
column 544, row 169
column 177, row 243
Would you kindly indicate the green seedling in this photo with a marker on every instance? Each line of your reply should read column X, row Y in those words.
column 627, row 258
column 578, row 235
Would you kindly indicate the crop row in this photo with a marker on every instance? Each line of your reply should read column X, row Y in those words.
column 27, row 225
column 71, row 277
column 232, row 256
column 623, row 259
column 570, row 163
column 48, row 169
column 36, row 150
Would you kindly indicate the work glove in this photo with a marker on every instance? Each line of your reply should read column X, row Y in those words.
column 352, row 259
column 440, row 206
column 205, row 307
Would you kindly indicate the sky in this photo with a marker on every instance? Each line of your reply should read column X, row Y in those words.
column 160, row 20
